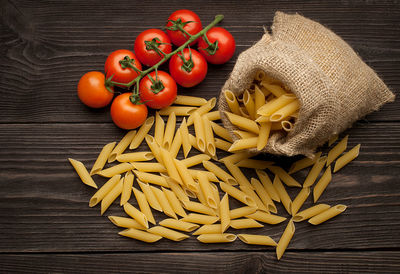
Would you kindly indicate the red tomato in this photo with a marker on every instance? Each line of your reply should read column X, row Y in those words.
column 158, row 93
column 92, row 90
column 126, row 114
column 181, row 17
column 226, row 46
column 115, row 68
column 143, row 46
column 192, row 71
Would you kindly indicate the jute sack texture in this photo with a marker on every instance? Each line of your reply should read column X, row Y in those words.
column 334, row 86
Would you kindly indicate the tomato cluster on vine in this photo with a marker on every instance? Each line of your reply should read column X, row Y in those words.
column 152, row 87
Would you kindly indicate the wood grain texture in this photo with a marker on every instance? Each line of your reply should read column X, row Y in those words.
column 205, row 262
column 47, row 46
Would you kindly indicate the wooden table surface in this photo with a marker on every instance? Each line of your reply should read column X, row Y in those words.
column 45, row 222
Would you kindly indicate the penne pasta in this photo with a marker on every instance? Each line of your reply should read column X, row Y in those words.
column 287, row 125
column 111, row 196
column 249, row 104
column 245, row 223
column 102, row 158
column 259, row 100
column 224, row 213
column 237, row 157
column 176, row 144
column 250, row 192
column 327, row 214
column 154, row 147
column 177, row 189
column 286, row 178
column 122, row 145
column 186, row 177
column 198, row 208
column 202, row 110
column 283, row 195
column 144, row 205
column 257, row 239
column 195, row 160
column 304, row 163
column 148, row 167
column 237, row 194
column 190, row 100
column 178, row 225
column 199, row 131
column 310, row 212
column 322, row 183
column 244, row 144
column 186, row 146
column 179, row 111
column 127, row 188
column 253, row 163
column 140, row 217
column 222, row 144
column 263, row 194
column 274, row 89
column 205, row 188
column 174, row 202
column 151, row 178
column 337, row 150
column 237, row 174
column 151, row 198
column 268, row 186
column 163, row 201
column 170, row 166
column 262, row 139
column 242, row 122
column 232, row 101
column 213, row 115
column 158, row 131
column 140, row 235
column 285, row 239
column 266, row 217
column 114, row 170
column 169, row 131
column 102, row 192
column 241, row 212
column 221, row 132
column 216, row 238
column 285, row 111
column 210, row 176
column 219, row 172
column 168, row 233
column 347, row 158
column 82, row 173
column 200, row 219
column 299, row 200
column 244, row 134
column 272, row 106
column 141, row 156
column 260, row 75
column 314, row 172
column 208, row 229
column 142, row 132
column 125, row 222
column 209, row 136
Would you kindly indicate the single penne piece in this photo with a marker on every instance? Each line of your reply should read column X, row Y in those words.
column 250, row 192
column 310, row 212
column 260, row 75
column 142, row 132
column 102, row 158
column 177, row 189
column 224, row 213
column 122, row 145
column 263, row 194
column 255, row 164
column 244, row 134
column 179, row 111
column 154, row 147
column 241, row 212
column 215, row 191
column 114, row 170
column 322, row 183
column 237, row 194
column 82, row 173
column 186, row 177
column 251, row 239
column 259, row 99
column 168, row 233
column 238, row 156
column 243, row 123
column 151, row 198
column 262, row 119
column 190, row 101
column 327, row 214
column 333, row 139
column 209, row 136
column 169, row 131
column 272, row 106
column 221, row 132
column 186, row 146
column 314, row 172
column 240, row 178
column 285, row 239
column 140, row 235
column 287, row 125
column 266, row 217
column 144, row 205
column 217, row 238
column 222, row 144
column 208, row 229
column 304, row 163
column 176, row 143
column 284, row 176
column 163, row 201
column 232, row 101
column 102, row 192
column 151, row 178
column 347, row 158
column 148, row 167
column 285, row 111
column 125, row 222
column 283, row 195
column 244, row 144
column 249, row 104
column 274, row 89
column 213, row 115
column 337, row 150
column 299, row 200
column 111, row 196
column 195, row 160
column 198, row 208
column 243, row 112
column 263, row 137
column 168, row 161
column 205, row 188
column 219, row 172
column 193, row 142
column 179, row 225
column 140, row 156
column 210, row 176
column 174, row 202
column 199, row 131
column 136, row 214
column 202, row 199
column 245, row 223
column 268, row 186
column 158, row 131
column 200, row 219
column 202, row 110
column 127, row 188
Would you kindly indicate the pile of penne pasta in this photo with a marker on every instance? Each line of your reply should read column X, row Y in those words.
column 190, row 198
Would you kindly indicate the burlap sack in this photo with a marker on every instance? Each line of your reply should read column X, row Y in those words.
column 334, row 86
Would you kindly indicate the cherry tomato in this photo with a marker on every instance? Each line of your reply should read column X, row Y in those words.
column 158, row 92
column 192, row 71
column 115, row 68
column 148, row 39
column 92, row 90
column 181, row 17
column 226, row 45
column 126, row 114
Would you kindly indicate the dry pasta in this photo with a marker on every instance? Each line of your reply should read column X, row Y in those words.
column 158, row 130
column 82, row 173
column 114, row 170
column 125, row 222
column 337, row 150
column 178, row 225
column 140, row 217
column 140, row 235
column 178, row 111
column 102, row 158
column 169, row 131
column 144, row 205
column 245, row 223
column 127, row 188
column 190, row 100
column 168, row 233
column 142, row 132
column 174, row 202
column 224, row 213
column 327, row 214
column 111, row 196
column 150, row 196
column 299, row 200
column 217, row 238
column 267, row 183
column 266, row 217
column 208, row 229
column 122, row 145
column 310, row 212
column 322, row 184
column 285, row 239
column 135, row 156
column 186, row 146
column 347, row 158
column 257, row 239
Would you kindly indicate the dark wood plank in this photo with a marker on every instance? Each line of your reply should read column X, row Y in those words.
column 219, row 262
column 44, row 206
column 46, row 47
